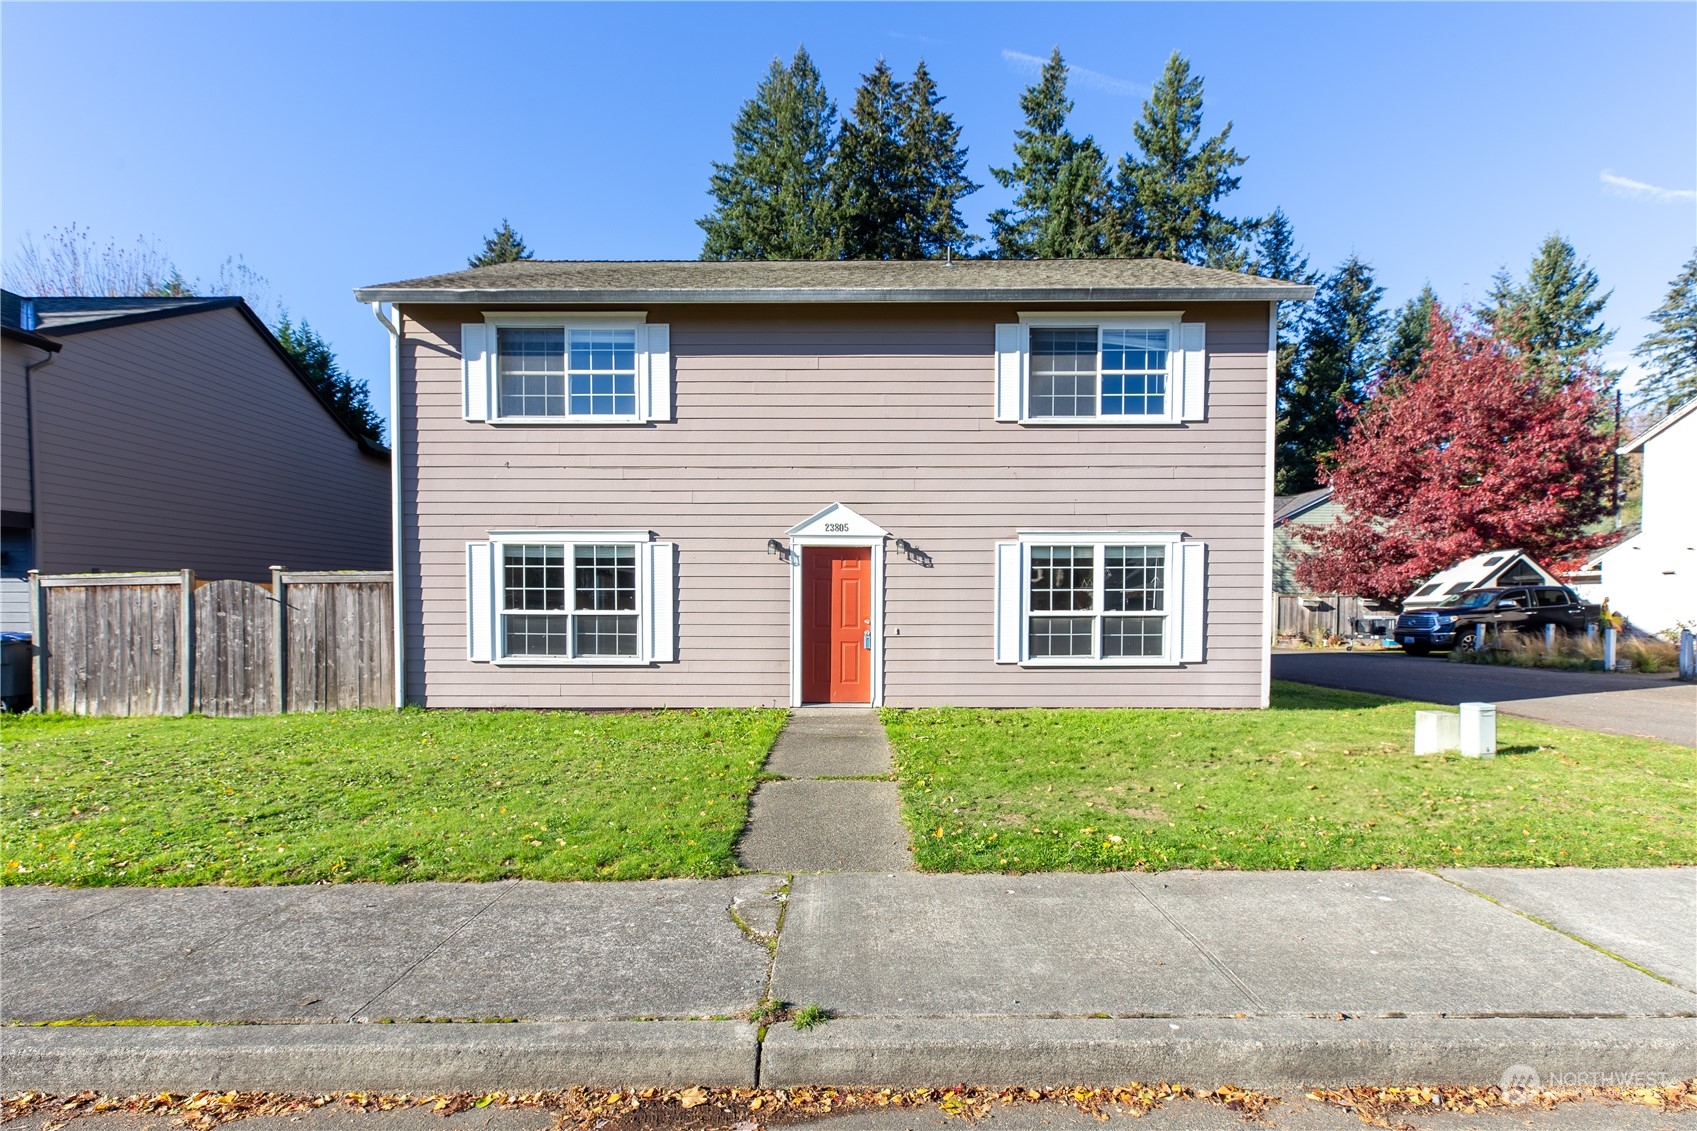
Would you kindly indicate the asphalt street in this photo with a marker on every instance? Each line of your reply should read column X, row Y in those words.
column 1643, row 706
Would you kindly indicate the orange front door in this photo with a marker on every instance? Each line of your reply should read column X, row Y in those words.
column 836, row 624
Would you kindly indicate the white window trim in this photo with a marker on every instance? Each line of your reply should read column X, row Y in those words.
column 495, row 320
column 1141, row 320
column 1172, row 596
column 570, row 539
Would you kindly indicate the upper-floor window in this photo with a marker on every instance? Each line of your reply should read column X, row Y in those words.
column 567, row 369
column 1108, row 369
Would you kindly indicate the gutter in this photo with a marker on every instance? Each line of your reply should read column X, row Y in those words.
column 393, row 326
column 801, row 295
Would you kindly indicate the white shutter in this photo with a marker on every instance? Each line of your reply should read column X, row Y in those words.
column 480, row 601
column 1192, row 600
column 1010, row 601
column 662, row 601
column 1193, row 381
column 1010, row 368
column 658, row 349
column 474, row 370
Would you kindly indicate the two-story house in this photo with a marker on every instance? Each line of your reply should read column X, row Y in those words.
column 1002, row 483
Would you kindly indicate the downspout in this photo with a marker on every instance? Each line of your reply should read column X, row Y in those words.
column 393, row 326
column 1267, row 624
column 29, row 446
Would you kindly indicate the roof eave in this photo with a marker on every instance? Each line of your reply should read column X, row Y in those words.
column 31, row 338
column 1659, row 427
column 1266, row 293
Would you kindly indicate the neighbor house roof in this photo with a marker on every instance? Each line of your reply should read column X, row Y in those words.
column 801, row 281
column 1660, row 426
column 1287, row 507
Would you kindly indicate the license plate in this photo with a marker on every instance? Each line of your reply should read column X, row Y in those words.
column 1408, row 639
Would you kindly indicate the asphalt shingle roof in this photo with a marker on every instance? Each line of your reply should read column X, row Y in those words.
column 932, row 280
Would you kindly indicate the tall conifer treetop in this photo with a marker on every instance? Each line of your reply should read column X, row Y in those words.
column 1554, row 317
column 1166, row 197
column 1670, row 354
column 774, row 199
column 1061, row 181
column 504, row 246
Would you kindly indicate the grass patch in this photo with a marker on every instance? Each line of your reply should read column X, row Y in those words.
column 1325, row 779
column 377, row 795
column 810, row 1016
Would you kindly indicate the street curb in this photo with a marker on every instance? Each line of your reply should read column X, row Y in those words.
column 404, row 1057
column 1251, row 1053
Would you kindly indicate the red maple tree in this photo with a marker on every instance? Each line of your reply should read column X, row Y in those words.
column 1470, row 454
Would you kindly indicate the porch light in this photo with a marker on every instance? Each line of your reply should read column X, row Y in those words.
column 773, row 546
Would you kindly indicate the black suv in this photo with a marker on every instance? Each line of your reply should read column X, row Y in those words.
column 1520, row 610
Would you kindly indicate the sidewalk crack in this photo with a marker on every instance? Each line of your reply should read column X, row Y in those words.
column 506, row 886
column 1224, row 970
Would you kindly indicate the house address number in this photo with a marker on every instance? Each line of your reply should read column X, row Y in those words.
column 836, row 528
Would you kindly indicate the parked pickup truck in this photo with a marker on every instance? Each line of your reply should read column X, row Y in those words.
column 1450, row 625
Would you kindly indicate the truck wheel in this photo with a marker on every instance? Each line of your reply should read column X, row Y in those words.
column 1464, row 641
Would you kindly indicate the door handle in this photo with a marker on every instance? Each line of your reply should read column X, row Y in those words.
column 866, row 640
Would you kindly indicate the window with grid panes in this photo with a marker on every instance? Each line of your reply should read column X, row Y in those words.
column 1090, row 371
column 594, row 615
column 566, row 372
column 1097, row 601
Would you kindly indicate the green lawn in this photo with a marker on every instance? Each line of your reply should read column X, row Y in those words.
column 1325, row 779
column 376, row 795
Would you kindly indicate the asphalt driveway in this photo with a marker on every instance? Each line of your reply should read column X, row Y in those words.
column 1644, row 706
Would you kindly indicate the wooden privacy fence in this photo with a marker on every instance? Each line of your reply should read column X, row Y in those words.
column 1305, row 615
column 165, row 644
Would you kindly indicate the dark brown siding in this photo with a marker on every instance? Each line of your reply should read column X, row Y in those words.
column 187, row 443
column 781, row 411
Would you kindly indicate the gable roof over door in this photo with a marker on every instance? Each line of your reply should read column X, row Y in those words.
column 804, row 281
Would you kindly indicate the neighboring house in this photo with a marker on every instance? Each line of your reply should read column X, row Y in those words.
column 1651, row 577
column 164, row 434
column 1492, row 570
column 1301, row 612
column 987, row 482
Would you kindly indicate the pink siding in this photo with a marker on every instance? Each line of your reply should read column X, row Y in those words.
column 187, row 442
column 781, row 411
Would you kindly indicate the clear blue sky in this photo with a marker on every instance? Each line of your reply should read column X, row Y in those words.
column 336, row 145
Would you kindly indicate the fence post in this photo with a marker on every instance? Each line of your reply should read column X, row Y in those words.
column 1609, row 640
column 1687, row 654
column 1549, row 637
column 279, row 640
column 185, row 637
column 1479, row 636
column 37, row 642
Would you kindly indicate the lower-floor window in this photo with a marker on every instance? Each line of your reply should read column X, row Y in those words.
column 1097, row 601
column 568, row 601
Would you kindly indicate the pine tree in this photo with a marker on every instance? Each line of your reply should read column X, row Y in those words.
column 1410, row 335
column 1670, row 354
column 1278, row 257
column 1165, row 200
column 937, row 166
column 504, row 246
column 871, row 175
column 1340, row 353
column 1554, row 317
column 1061, row 181
column 773, row 200
column 349, row 397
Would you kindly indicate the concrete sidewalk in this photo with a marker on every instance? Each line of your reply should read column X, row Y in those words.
column 1258, row 979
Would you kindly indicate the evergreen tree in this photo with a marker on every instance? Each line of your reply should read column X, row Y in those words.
column 1670, row 354
column 937, row 165
column 1165, row 201
column 773, row 200
column 1061, row 201
column 1340, row 353
column 1410, row 335
column 1554, row 317
column 349, row 397
column 873, row 179
column 505, row 246
column 1277, row 256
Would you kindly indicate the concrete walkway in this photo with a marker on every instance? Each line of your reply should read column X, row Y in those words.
column 1627, row 703
column 1258, row 979
column 834, row 809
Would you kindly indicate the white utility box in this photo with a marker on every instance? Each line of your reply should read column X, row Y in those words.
column 1436, row 732
column 1479, row 730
